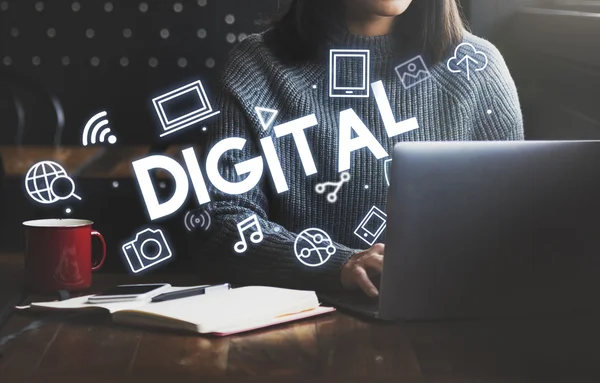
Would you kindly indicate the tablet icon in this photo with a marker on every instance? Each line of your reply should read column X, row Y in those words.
column 413, row 72
column 183, row 107
column 343, row 61
column 371, row 226
column 313, row 247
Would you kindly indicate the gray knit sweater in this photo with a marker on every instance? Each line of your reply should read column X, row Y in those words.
column 447, row 106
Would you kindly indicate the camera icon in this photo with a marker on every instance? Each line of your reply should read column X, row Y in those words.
column 148, row 249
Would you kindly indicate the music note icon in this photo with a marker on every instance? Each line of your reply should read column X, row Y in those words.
column 255, row 237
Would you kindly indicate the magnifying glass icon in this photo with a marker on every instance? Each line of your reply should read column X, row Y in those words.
column 63, row 187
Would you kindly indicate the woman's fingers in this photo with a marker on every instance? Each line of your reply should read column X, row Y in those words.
column 373, row 262
column 365, row 284
column 359, row 269
column 377, row 248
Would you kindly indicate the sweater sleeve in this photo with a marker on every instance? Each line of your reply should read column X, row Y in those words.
column 497, row 111
column 271, row 261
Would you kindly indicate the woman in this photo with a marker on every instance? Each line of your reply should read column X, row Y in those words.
column 286, row 69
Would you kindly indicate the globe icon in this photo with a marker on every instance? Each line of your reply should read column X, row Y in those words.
column 39, row 178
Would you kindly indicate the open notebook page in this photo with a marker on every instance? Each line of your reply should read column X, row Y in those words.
column 81, row 302
column 214, row 312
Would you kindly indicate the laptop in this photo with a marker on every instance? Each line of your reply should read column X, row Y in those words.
column 488, row 230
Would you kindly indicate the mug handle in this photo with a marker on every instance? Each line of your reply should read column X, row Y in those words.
column 103, row 243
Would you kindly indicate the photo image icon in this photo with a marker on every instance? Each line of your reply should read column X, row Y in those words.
column 148, row 249
column 183, row 107
column 412, row 72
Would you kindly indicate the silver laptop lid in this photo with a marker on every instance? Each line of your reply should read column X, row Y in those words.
column 492, row 229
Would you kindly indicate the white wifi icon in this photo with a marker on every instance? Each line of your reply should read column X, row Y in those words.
column 99, row 130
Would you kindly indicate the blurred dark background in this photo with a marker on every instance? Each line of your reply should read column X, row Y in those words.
column 61, row 62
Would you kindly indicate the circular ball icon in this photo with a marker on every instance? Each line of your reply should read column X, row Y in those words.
column 313, row 247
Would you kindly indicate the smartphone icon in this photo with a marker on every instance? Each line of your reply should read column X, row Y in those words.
column 371, row 226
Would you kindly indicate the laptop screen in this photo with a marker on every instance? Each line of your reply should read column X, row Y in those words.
column 183, row 105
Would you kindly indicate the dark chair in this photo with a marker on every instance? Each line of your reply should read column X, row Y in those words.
column 64, row 61
column 556, row 67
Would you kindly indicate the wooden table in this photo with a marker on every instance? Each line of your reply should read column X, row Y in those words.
column 108, row 162
column 332, row 348
column 90, row 162
column 18, row 159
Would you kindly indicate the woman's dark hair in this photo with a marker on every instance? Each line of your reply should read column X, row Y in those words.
column 433, row 27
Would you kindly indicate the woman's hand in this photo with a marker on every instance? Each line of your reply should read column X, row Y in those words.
column 360, row 267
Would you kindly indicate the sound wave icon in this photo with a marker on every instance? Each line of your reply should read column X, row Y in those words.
column 197, row 220
column 97, row 125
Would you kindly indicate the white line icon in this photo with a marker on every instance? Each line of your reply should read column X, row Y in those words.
column 387, row 168
column 47, row 182
column 413, row 72
column 256, row 237
column 470, row 56
column 98, row 122
column 197, row 219
column 371, row 226
column 270, row 115
column 340, row 61
column 148, row 249
column 313, row 247
column 332, row 196
column 173, row 121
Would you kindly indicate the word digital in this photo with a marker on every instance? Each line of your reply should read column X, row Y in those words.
column 349, row 122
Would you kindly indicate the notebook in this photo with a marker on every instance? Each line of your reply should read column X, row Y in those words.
column 219, row 313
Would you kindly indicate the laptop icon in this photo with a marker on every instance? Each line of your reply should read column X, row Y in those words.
column 343, row 61
column 183, row 107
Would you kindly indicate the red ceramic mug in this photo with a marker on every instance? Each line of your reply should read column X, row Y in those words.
column 58, row 254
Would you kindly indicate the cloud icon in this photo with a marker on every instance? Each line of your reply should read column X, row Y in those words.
column 467, row 59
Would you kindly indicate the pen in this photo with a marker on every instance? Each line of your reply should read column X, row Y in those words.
column 190, row 292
